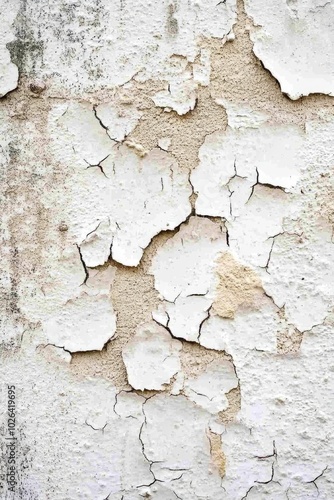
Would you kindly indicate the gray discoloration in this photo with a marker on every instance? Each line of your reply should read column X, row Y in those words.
column 27, row 50
column 172, row 22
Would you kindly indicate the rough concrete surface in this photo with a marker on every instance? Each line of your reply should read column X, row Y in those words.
column 167, row 257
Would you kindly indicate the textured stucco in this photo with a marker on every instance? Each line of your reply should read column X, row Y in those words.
column 167, row 258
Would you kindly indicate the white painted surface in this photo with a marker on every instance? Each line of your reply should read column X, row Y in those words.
column 293, row 39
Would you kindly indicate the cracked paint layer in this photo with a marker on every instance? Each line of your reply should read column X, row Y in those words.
column 252, row 154
column 130, row 196
column 190, row 253
column 95, row 329
column 209, row 388
column 166, row 278
column 180, row 460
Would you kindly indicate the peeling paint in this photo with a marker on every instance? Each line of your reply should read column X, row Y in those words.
column 303, row 65
column 151, row 358
column 167, row 249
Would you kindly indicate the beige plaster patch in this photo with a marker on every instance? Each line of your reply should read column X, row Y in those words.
column 289, row 340
column 217, row 454
column 238, row 286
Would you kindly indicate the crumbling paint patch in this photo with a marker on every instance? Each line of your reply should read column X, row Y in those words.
column 77, row 329
column 241, row 116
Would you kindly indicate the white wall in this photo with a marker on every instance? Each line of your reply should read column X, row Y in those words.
column 167, row 249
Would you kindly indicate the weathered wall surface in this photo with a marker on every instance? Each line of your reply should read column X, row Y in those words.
column 167, row 249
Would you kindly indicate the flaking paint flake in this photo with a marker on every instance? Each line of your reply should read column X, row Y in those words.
column 167, row 253
column 308, row 28
column 151, row 358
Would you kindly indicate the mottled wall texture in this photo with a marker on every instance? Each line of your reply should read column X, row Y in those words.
column 167, row 257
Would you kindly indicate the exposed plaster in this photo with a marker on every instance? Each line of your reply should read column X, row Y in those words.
column 238, row 285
